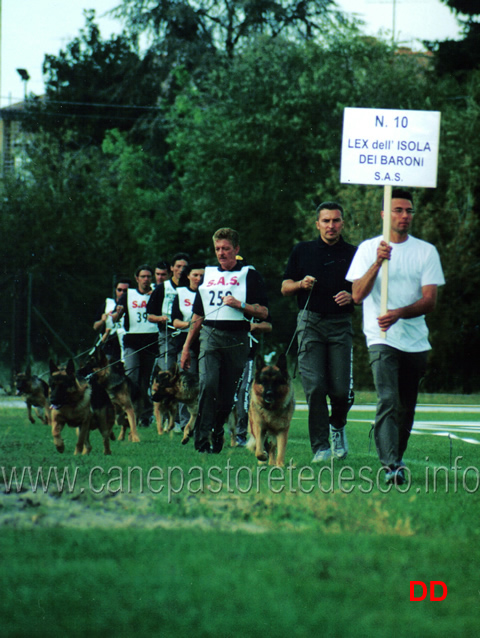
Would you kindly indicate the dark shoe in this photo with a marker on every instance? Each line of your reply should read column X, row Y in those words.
column 395, row 476
column 217, row 445
column 204, row 449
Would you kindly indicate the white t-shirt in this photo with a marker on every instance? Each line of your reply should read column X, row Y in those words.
column 413, row 264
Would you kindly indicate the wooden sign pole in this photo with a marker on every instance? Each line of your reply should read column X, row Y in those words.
column 387, row 219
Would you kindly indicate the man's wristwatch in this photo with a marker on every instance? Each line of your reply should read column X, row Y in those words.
column 243, row 305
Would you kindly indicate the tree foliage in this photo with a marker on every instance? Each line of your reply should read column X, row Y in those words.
column 95, row 85
column 467, row 7
column 459, row 56
column 223, row 24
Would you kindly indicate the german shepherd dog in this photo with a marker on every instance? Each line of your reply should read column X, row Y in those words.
column 169, row 388
column 35, row 391
column 70, row 399
column 272, row 404
column 120, row 389
column 79, row 404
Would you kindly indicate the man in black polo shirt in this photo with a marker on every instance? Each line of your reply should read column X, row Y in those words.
column 316, row 274
column 231, row 294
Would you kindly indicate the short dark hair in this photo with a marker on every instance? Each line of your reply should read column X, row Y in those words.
column 402, row 193
column 329, row 206
column 195, row 265
column 123, row 280
column 144, row 267
column 180, row 257
column 228, row 234
column 162, row 265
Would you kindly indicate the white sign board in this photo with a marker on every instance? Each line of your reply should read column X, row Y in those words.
column 390, row 147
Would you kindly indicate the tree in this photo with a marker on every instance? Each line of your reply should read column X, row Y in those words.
column 223, row 24
column 95, row 85
column 467, row 7
column 458, row 57
column 84, row 216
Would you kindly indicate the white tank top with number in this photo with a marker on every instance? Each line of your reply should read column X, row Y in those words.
column 218, row 284
column 186, row 297
column 113, row 326
column 137, row 313
column 168, row 299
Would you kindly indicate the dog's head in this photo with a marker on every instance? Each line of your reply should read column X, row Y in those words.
column 97, row 363
column 272, row 382
column 65, row 388
column 23, row 382
column 164, row 383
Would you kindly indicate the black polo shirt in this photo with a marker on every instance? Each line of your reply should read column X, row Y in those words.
column 329, row 265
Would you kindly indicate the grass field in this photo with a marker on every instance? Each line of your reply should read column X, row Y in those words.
column 158, row 540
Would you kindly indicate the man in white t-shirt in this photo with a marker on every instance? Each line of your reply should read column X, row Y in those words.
column 397, row 340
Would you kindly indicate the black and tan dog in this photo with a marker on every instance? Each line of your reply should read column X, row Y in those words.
column 70, row 404
column 169, row 388
column 120, row 389
column 78, row 404
column 35, row 391
column 272, row 405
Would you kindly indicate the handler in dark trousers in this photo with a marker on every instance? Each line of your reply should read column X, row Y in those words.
column 228, row 298
column 140, row 339
column 316, row 274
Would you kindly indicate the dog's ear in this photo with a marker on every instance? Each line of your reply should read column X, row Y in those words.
column 53, row 366
column 174, row 370
column 259, row 363
column 282, row 364
column 70, row 367
column 102, row 357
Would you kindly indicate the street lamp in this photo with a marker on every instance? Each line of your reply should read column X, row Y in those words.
column 23, row 73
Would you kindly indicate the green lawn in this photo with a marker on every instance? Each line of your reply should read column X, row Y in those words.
column 158, row 540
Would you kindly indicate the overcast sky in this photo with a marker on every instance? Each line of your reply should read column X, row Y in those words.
column 33, row 28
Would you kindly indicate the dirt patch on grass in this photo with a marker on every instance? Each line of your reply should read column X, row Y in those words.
column 30, row 509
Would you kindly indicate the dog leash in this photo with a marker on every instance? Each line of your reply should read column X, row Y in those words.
column 301, row 317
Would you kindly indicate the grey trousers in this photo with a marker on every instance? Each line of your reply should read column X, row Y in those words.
column 167, row 351
column 397, row 375
column 325, row 365
column 223, row 355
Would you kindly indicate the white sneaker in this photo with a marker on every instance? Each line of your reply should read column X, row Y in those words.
column 321, row 456
column 339, row 443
